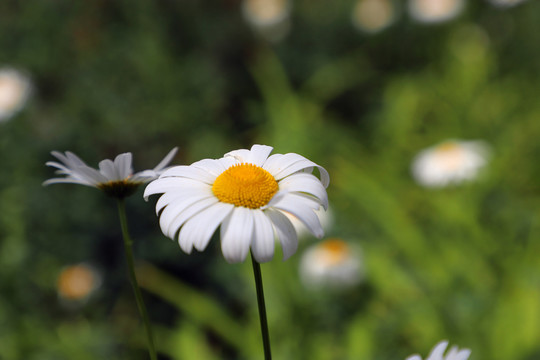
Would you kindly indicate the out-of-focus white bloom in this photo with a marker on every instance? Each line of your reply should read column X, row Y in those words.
column 270, row 18
column 76, row 283
column 373, row 15
column 115, row 178
column 438, row 353
column 332, row 263
column 326, row 219
column 450, row 162
column 14, row 91
column 246, row 193
column 434, row 11
column 506, row 3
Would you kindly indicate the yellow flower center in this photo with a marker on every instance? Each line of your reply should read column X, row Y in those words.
column 245, row 185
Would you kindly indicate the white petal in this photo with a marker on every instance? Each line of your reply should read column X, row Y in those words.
column 236, row 234
column 305, row 183
column 175, row 209
column 166, row 160
column 65, row 181
column 259, row 154
column 214, row 167
column 262, row 245
column 414, row 357
column 285, row 232
column 163, row 185
column 190, row 173
column 122, row 163
column 438, row 351
column 107, row 168
column 174, row 196
column 240, row 155
column 281, row 166
column 299, row 207
column 198, row 230
column 93, row 176
column 171, row 227
column 72, row 160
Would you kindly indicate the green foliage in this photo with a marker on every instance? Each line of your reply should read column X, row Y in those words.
column 459, row 263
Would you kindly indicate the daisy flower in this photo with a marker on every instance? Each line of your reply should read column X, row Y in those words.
column 435, row 11
column 247, row 192
column 452, row 161
column 115, row 178
column 14, row 91
column 331, row 263
column 438, row 353
column 372, row 16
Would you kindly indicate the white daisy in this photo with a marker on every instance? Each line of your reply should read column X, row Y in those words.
column 332, row 263
column 450, row 162
column 373, row 16
column 115, row 178
column 247, row 192
column 14, row 91
column 434, row 11
column 438, row 353
column 270, row 18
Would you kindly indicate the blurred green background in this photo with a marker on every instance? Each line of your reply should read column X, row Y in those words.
column 460, row 263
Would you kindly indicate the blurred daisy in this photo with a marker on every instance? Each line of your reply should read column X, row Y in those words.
column 434, row 11
column 76, row 283
column 331, row 263
column 270, row 18
column 450, row 162
column 438, row 353
column 247, row 192
column 373, row 15
column 14, row 91
column 506, row 3
column 115, row 178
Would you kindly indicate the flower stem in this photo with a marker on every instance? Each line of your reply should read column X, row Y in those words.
column 133, row 279
column 262, row 308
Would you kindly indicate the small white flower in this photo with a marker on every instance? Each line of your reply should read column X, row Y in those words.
column 14, row 91
column 373, row 16
column 270, row 18
column 450, row 162
column 332, row 263
column 247, row 192
column 434, row 11
column 116, row 178
column 438, row 353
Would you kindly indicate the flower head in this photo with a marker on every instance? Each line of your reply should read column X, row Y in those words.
column 331, row 263
column 435, row 11
column 14, row 91
column 115, row 178
column 438, row 353
column 450, row 162
column 247, row 192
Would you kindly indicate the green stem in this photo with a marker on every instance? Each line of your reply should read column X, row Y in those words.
column 262, row 308
column 133, row 279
